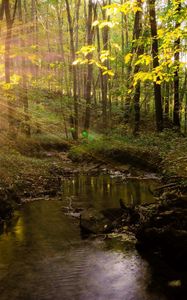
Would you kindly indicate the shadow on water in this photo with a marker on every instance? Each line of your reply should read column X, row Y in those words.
column 168, row 281
column 42, row 254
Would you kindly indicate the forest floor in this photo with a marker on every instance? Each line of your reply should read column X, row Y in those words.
column 43, row 156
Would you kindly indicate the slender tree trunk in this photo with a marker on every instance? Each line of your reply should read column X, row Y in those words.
column 176, row 111
column 34, row 32
column 74, row 73
column 167, row 97
column 139, row 50
column 104, row 79
column 185, row 115
column 7, row 64
column 104, row 112
column 61, row 47
column 76, row 39
column 9, row 25
column 183, row 90
column 128, row 73
column 122, row 41
column 24, row 93
column 157, row 87
column 88, row 95
column 77, row 12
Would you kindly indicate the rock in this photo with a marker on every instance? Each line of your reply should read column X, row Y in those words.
column 93, row 221
column 163, row 230
column 104, row 221
column 8, row 200
column 6, row 209
column 115, row 214
column 73, row 214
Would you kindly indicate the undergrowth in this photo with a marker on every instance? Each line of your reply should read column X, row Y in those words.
column 169, row 146
column 166, row 152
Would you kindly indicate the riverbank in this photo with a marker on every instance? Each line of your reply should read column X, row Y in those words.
column 163, row 153
column 35, row 170
column 34, row 167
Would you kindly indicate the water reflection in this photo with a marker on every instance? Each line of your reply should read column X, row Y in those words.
column 104, row 191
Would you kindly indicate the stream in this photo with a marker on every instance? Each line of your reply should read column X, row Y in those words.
column 43, row 256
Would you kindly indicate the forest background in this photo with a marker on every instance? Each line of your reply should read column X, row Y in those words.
column 93, row 70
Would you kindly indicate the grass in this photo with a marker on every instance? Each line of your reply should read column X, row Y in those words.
column 14, row 165
column 25, row 157
column 36, row 144
column 166, row 150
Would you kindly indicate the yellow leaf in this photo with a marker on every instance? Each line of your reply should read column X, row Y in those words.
column 161, row 32
column 95, row 23
column 84, row 61
column 76, row 62
column 127, row 58
column 7, row 86
column 15, row 79
column 110, row 73
column 107, row 23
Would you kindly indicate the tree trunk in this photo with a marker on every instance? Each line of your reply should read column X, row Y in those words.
column 167, row 97
column 176, row 110
column 185, row 116
column 139, row 50
column 89, row 67
column 74, row 73
column 24, row 94
column 9, row 25
column 104, row 78
column 157, row 87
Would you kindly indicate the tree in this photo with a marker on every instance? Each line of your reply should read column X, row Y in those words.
column 24, row 95
column 9, row 25
column 155, row 55
column 176, row 110
column 104, row 77
column 74, row 73
column 90, row 32
column 139, row 51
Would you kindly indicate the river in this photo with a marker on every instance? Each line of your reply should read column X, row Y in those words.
column 43, row 255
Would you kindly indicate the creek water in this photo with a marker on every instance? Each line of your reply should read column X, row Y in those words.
column 43, row 256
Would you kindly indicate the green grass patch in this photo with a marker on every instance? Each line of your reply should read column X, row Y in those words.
column 164, row 152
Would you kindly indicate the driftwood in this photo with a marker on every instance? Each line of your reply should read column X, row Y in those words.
column 169, row 185
column 95, row 167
